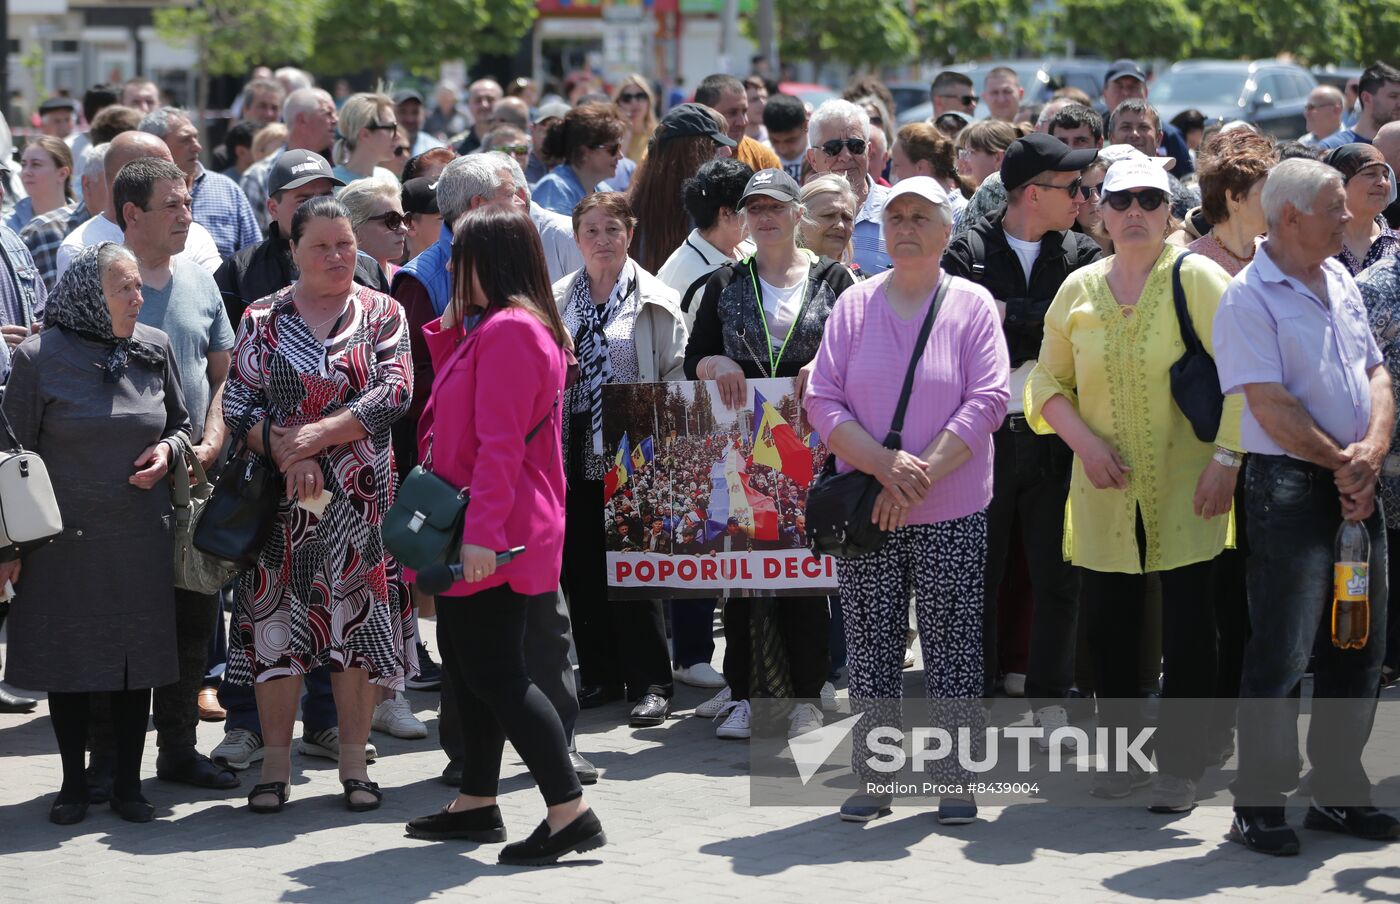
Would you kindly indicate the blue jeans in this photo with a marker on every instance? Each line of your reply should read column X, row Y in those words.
column 1293, row 516
column 317, row 704
column 692, row 631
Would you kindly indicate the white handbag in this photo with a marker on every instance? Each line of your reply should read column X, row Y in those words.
column 28, row 510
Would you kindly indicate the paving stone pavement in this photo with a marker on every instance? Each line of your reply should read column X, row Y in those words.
column 674, row 801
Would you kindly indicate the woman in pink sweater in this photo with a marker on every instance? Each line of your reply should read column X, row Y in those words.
column 501, row 354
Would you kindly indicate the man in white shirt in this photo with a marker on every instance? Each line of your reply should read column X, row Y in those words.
column 126, row 147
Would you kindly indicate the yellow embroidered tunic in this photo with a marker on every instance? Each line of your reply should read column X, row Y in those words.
column 1114, row 366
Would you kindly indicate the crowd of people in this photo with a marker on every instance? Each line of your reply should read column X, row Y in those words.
column 356, row 285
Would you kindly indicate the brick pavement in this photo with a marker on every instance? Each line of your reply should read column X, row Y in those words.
column 674, row 800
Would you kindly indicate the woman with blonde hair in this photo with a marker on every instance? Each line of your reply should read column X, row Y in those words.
column 828, row 217
column 46, row 171
column 367, row 127
column 981, row 147
column 637, row 105
column 268, row 139
column 377, row 219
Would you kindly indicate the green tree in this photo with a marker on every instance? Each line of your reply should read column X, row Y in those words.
column 863, row 35
column 232, row 36
column 353, row 35
column 1378, row 31
column 1314, row 33
column 1128, row 28
column 952, row 30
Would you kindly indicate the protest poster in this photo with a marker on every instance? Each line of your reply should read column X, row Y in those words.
column 704, row 500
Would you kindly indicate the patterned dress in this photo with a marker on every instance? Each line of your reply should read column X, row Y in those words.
column 325, row 591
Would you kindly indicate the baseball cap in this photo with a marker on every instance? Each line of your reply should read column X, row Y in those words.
column 1135, row 172
column 925, row 187
column 963, row 118
column 1112, row 153
column 58, row 103
column 1120, row 68
column 420, row 195
column 407, row 94
column 691, row 119
column 771, row 183
column 1037, row 153
column 295, row 168
column 557, row 109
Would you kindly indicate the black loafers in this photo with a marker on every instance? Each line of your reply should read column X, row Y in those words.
column 67, row 812
column 138, row 810
column 482, row 824
column 651, row 710
column 542, row 848
column 13, row 703
column 587, row 772
column 187, row 766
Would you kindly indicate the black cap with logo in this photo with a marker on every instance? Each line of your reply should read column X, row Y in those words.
column 1038, row 153
column 771, row 183
column 420, row 195
column 295, row 168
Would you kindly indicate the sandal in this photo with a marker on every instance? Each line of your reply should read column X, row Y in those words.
column 277, row 788
column 352, row 785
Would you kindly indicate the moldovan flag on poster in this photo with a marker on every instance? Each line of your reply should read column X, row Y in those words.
column 643, row 455
column 621, row 469
column 777, row 445
column 731, row 497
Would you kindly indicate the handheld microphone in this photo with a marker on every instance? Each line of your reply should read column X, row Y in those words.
column 437, row 578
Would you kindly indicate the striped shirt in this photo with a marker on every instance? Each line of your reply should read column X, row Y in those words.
column 222, row 208
column 867, row 240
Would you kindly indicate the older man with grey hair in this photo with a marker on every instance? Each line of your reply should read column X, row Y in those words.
column 424, row 287
column 219, row 205
column 1291, row 334
column 838, row 142
column 310, row 117
column 46, row 232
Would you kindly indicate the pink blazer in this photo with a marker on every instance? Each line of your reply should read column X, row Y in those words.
column 489, row 391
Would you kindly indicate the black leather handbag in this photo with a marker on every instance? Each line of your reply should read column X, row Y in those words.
column 839, row 506
column 238, row 517
column 1195, row 381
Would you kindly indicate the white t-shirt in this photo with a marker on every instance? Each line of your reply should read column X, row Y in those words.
column 199, row 244
column 1026, row 253
column 780, row 307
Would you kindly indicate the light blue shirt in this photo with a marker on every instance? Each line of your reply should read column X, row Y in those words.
column 1271, row 328
column 867, row 239
column 560, row 190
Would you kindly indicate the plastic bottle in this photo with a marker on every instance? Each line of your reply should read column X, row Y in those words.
column 1351, row 587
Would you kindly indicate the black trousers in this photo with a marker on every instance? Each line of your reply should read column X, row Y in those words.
column 482, row 639
column 128, row 711
column 619, row 642
column 804, row 626
column 1030, row 482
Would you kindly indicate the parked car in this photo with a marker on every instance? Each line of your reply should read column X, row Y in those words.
column 1266, row 93
column 1040, row 78
column 811, row 95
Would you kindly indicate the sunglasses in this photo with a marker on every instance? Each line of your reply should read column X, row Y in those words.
column 392, row 219
column 1072, row 188
column 630, row 98
column 833, row 147
column 968, row 100
column 513, row 149
column 1089, row 192
column 1148, row 199
column 612, row 149
column 403, row 151
column 382, row 126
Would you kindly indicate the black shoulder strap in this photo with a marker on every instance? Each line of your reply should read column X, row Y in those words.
column 979, row 254
column 540, row 426
column 1183, row 316
column 894, row 439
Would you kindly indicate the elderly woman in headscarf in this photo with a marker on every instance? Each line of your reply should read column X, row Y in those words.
column 1370, row 186
column 97, row 396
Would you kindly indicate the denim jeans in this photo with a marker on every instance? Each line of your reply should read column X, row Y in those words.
column 692, row 631
column 317, row 704
column 1030, row 483
column 1294, row 513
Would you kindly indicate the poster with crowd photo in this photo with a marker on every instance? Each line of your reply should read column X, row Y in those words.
column 704, row 500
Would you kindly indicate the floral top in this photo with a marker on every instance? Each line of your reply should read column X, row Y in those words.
column 1113, row 365
column 1380, row 289
column 1387, row 244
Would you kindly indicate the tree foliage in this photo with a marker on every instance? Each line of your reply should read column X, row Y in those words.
column 870, row 34
column 1129, row 28
column 1312, row 32
column 233, row 36
column 352, row 35
column 952, row 30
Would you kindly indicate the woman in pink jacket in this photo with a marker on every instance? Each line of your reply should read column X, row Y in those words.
column 500, row 354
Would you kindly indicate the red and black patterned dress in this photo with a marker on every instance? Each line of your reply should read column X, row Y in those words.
column 324, row 590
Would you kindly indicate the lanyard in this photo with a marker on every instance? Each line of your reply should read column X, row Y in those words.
column 758, row 296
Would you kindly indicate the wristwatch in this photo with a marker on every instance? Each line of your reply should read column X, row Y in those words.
column 1227, row 457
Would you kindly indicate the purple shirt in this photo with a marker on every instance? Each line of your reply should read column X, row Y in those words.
column 961, row 384
column 1270, row 328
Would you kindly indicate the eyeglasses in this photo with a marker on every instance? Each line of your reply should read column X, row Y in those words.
column 382, row 126
column 513, row 149
column 612, row 149
column 630, row 97
column 402, row 150
column 967, row 100
column 392, row 219
column 1089, row 192
column 833, row 147
column 1148, row 199
column 1072, row 188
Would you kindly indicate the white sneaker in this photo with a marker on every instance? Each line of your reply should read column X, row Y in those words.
column 829, row 698
column 804, row 718
column 1014, row 684
column 240, row 749
column 908, row 658
column 737, row 725
column 702, row 674
column 713, row 706
column 394, row 716
column 326, row 744
column 1051, row 718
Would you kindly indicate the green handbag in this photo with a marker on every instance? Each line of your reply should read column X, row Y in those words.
column 424, row 525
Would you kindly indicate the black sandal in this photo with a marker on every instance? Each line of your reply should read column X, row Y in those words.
column 277, row 788
column 352, row 785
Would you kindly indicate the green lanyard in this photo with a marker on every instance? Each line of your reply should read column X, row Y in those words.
column 758, row 296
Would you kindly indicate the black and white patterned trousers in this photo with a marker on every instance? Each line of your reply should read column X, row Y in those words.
column 942, row 566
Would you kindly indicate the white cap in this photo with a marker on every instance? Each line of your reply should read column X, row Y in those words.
column 925, row 187
column 1112, row 153
column 1135, row 172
